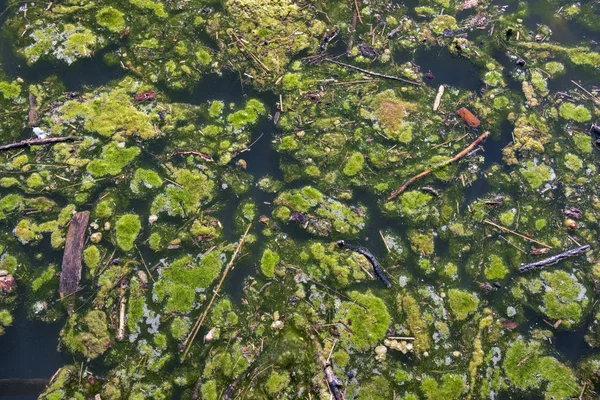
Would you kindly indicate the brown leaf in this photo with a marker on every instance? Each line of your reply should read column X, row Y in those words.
column 509, row 325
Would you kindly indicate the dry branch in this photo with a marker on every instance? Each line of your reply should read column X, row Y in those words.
column 190, row 339
column 37, row 142
column 71, row 264
column 366, row 71
column 427, row 172
column 33, row 115
column 555, row 259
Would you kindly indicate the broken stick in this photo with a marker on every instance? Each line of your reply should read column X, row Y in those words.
column 33, row 115
column 366, row 71
column 37, row 142
column 555, row 259
column 427, row 172
column 121, row 330
column 71, row 264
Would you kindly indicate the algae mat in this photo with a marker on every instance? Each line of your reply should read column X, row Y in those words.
column 295, row 199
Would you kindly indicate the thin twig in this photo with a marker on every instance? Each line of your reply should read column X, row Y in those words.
column 366, row 71
column 427, row 172
column 190, row 339
column 505, row 229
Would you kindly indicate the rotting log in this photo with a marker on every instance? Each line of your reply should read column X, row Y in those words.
column 370, row 258
column 71, row 265
column 469, row 118
column 555, row 259
column 37, row 142
column 428, row 172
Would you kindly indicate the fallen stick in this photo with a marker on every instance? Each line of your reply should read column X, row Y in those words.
column 121, row 330
column 427, row 172
column 37, row 142
column 504, row 229
column 365, row 71
column 357, row 10
column 370, row 258
column 438, row 98
column 352, row 32
column 333, row 383
column 555, row 259
column 71, row 264
column 33, row 115
column 190, row 339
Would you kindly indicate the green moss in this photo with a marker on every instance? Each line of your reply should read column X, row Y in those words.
column 10, row 90
column 573, row 162
column 536, row 175
column 113, row 159
column 539, row 83
column 368, row 327
column 291, row 81
column 209, row 390
column 501, row 103
column 277, row 382
column 418, row 327
column 35, row 181
column 104, row 209
column 8, row 263
column 554, row 68
column 442, row 22
column 568, row 111
column 462, row 303
column 91, row 338
column 377, row 388
column 10, row 203
column 127, row 230
column 340, row 358
column 24, row 231
column 354, row 164
column 451, row 388
column 288, row 143
column 216, row 108
column 46, row 276
column 146, row 178
column 248, row 116
column 6, row 319
column 507, row 218
column 157, row 8
column 160, row 341
column 268, row 262
column 421, row 243
column 179, row 328
column 494, row 78
column 583, row 142
column 495, row 269
column 193, row 188
column 111, row 18
column 91, row 258
column 564, row 298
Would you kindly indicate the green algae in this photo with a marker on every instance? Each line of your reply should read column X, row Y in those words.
column 128, row 228
column 268, row 262
column 91, row 338
column 368, row 326
column 462, row 303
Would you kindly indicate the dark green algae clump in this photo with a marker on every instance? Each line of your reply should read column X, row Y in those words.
column 172, row 173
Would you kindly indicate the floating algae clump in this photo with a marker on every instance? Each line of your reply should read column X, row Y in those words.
column 111, row 18
column 451, row 387
column 565, row 297
column 495, row 269
column 393, row 114
column 268, row 262
column 354, row 164
column 369, row 325
column 462, row 303
column 277, row 382
column 114, row 158
column 88, row 335
column 578, row 114
column 127, row 229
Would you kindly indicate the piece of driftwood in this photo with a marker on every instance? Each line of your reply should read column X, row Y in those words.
column 427, row 172
column 333, row 383
column 203, row 156
column 370, row 258
column 555, row 259
column 33, row 115
column 37, row 142
column 366, row 71
column 469, row 118
column 71, row 264
column 438, row 98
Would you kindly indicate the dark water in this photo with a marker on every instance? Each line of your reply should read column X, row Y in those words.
column 28, row 349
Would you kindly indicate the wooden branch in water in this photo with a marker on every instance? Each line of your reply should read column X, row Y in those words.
column 203, row 156
column 71, row 265
column 366, row 71
column 121, row 329
column 33, row 115
column 427, row 172
column 37, row 142
column 555, row 259
column 333, row 383
column 190, row 339
column 504, row 229
column 352, row 32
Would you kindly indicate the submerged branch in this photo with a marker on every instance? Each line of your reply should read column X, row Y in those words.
column 37, row 142
column 371, row 259
column 427, row 172
column 555, row 259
